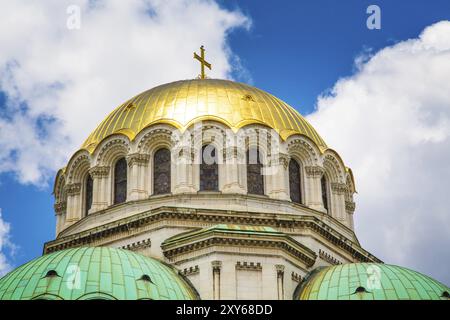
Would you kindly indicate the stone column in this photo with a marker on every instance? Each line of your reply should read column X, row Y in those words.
column 137, row 181
column 60, row 213
column 233, row 178
column 277, row 175
column 74, row 204
column 350, row 209
column 280, row 281
column 338, row 191
column 184, row 182
column 216, row 266
column 313, row 192
column 100, row 178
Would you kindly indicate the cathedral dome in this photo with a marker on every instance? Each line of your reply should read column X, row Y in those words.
column 369, row 281
column 182, row 103
column 95, row 273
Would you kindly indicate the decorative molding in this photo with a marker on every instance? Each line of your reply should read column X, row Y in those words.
column 191, row 271
column 117, row 143
column 140, row 221
column 74, row 165
column 73, row 189
column 328, row 258
column 301, row 146
column 138, row 245
column 249, row 266
column 339, row 188
column 99, row 171
column 138, row 158
column 296, row 277
column 288, row 245
column 314, row 171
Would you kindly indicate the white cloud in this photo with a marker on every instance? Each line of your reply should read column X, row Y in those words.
column 61, row 83
column 391, row 123
column 4, row 244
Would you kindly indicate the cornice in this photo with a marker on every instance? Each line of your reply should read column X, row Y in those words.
column 138, row 221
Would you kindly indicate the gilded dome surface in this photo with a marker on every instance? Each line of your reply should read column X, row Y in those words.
column 95, row 273
column 182, row 103
column 369, row 281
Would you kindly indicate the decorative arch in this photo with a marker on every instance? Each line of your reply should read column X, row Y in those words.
column 58, row 188
column 112, row 148
column 304, row 150
column 334, row 166
column 155, row 137
column 77, row 167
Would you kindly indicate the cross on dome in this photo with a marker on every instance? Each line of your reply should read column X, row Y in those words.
column 203, row 62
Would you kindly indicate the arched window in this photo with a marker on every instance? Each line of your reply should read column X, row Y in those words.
column 295, row 182
column 324, row 184
column 88, row 194
column 120, row 181
column 209, row 169
column 255, row 179
column 161, row 172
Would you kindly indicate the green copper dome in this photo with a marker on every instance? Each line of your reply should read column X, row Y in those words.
column 369, row 281
column 95, row 273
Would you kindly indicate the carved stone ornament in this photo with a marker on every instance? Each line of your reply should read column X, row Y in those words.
column 99, row 171
column 73, row 189
column 314, row 171
column 138, row 159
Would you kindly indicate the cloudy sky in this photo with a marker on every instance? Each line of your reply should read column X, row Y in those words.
column 381, row 98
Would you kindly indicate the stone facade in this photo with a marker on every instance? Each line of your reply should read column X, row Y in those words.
column 181, row 227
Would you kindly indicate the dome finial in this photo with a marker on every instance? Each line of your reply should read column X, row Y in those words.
column 203, row 62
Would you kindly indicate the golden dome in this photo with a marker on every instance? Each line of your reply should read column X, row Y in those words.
column 182, row 103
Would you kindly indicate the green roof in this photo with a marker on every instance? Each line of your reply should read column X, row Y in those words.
column 369, row 281
column 95, row 273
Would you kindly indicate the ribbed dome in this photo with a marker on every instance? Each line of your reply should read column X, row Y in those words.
column 182, row 103
column 95, row 273
column 359, row 281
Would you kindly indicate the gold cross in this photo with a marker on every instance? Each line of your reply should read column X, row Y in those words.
column 203, row 62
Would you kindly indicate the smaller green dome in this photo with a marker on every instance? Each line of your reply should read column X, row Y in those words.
column 369, row 281
column 95, row 273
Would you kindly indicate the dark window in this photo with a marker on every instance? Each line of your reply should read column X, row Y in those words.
column 161, row 172
column 295, row 183
column 120, row 181
column 88, row 195
column 255, row 179
column 324, row 184
column 209, row 169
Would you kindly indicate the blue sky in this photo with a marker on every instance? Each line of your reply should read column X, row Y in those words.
column 296, row 50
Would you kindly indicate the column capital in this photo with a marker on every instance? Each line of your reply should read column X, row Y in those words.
column 280, row 269
column 60, row 207
column 73, row 189
column 314, row 171
column 138, row 159
column 350, row 206
column 339, row 188
column 99, row 171
column 216, row 265
column 280, row 159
